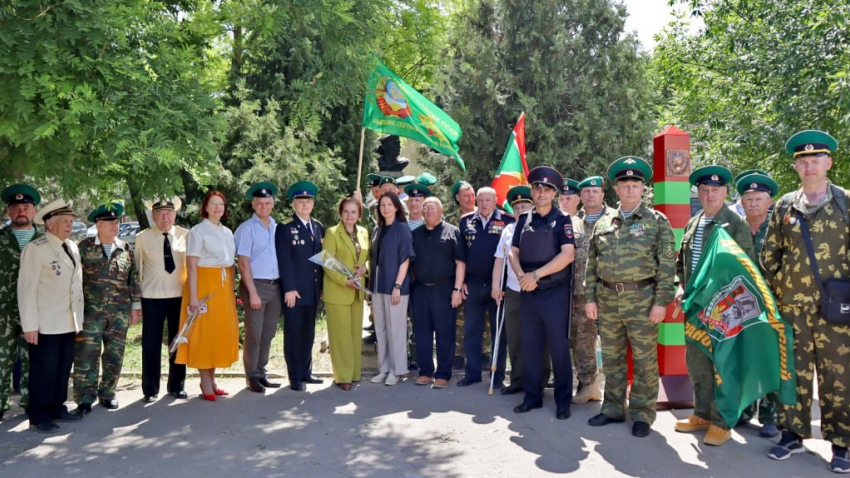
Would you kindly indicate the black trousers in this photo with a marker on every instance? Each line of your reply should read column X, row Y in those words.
column 545, row 322
column 50, row 369
column 478, row 303
column 434, row 320
column 155, row 314
column 299, row 330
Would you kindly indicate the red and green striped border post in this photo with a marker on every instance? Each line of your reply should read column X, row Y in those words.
column 671, row 167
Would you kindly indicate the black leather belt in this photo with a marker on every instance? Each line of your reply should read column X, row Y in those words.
column 439, row 282
column 267, row 281
column 624, row 286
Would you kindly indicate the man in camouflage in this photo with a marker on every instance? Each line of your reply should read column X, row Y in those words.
column 112, row 296
column 583, row 332
column 20, row 200
column 593, row 205
column 628, row 285
column 711, row 186
column 819, row 345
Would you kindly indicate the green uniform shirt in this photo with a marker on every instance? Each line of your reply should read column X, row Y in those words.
column 630, row 250
column 725, row 218
column 580, row 264
column 109, row 282
column 10, row 264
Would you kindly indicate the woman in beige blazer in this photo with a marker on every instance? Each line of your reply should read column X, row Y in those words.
column 343, row 298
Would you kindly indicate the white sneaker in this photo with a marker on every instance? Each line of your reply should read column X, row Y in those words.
column 379, row 378
column 391, row 380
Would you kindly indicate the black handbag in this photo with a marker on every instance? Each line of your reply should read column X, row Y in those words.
column 835, row 293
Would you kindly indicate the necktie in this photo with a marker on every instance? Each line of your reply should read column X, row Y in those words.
column 68, row 251
column 310, row 228
column 169, row 259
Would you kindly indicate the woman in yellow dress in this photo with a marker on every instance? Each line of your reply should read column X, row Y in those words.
column 343, row 298
column 213, row 341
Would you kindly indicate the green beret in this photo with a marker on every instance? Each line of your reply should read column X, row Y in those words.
column 263, row 189
column 809, row 142
column 591, row 182
column 456, row 187
column 757, row 182
column 629, row 167
column 21, row 194
column 426, row 179
column 302, row 189
column 711, row 175
column 107, row 212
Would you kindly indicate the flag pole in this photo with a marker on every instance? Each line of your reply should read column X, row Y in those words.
column 360, row 160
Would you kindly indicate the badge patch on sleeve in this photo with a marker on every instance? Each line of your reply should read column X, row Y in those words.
column 668, row 249
column 568, row 231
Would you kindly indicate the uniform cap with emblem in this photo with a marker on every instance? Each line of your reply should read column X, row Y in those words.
column 546, row 176
column 757, row 182
column 21, row 194
column 405, row 180
column 628, row 168
column 710, row 176
column 107, row 212
column 387, row 180
column 57, row 207
column 302, row 190
column 518, row 194
column 171, row 204
column 426, row 179
column 747, row 173
column 591, row 182
column 262, row 189
column 417, row 191
column 374, row 179
column 810, row 142
column 456, row 188
column 570, row 186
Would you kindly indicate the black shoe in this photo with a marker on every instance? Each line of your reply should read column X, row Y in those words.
column 109, row 404
column 372, row 339
column 458, row 363
column 68, row 417
column 268, row 384
column 603, row 419
column 640, row 429
column 526, row 407
column 840, row 460
column 1, row 414
column 48, row 427
column 467, row 382
column 312, row 379
column 296, row 386
column 550, row 383
column 789, row 444
column 562, row 413
column 254, row 385
column 510, row 390
column 149, row 398
column 412, row 366
column 181, row 394
column 83, row 409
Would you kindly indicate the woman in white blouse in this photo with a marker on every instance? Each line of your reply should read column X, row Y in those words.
column 210, row 257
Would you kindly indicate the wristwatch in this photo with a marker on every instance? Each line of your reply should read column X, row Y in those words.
column 397, row 286
column 536, row 277
column 457, row 289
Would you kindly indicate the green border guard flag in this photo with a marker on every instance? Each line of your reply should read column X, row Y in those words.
column 733, row 318
column 392, row 106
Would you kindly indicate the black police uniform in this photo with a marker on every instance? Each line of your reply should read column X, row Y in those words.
column 295, row 244
column 544, row 311
column 433, row 281
column 480, row 241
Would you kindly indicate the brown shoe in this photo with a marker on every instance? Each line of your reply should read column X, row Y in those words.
column 440, row 383
column 254, row 385
column 345, row 386
column 716, row 436
column 423, row 380
column 692, row 424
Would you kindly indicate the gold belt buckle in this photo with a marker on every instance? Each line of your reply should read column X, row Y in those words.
column 619, row 287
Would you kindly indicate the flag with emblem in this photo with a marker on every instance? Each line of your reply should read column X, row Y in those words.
column 733, row 318
column 392, row 106
column 513, row 170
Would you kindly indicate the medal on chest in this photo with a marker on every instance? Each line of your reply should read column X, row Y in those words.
column 496, row 227
column 56, row 267
column 637, row 230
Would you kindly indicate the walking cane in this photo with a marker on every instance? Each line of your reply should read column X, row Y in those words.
column 500, row 321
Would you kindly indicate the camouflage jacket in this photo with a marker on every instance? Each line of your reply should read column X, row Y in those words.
column 112, row 282
column 725, row 218
column 10, row 264
column 580, row 263
column 630, row 250
column 606, row 211
column 784, row 259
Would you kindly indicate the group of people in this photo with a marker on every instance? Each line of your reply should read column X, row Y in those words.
column 561, row 275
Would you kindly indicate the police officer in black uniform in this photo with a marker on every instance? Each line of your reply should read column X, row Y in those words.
column 301, row 282
column 542, row 252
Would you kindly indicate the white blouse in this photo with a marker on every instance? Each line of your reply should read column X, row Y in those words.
column 213, row 245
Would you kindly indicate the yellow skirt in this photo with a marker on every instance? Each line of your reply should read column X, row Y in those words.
column 214, row 338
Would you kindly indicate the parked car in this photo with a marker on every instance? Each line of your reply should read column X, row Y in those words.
column 127, row 232
column 79, row 231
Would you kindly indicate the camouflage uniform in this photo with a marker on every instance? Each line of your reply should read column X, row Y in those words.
column 818, row 344
column 110, row 287
column 616, row 254
column 583, row 330
column 700, row 367
column 12, row 342
column 453, row 218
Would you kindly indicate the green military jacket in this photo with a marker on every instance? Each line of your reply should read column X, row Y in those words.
column 580, row 264
column 630, row 250
column 784, row 259
column 734, row 224
column 606, row 211
column 10, row 264
column 759, row 237
column 111, row 283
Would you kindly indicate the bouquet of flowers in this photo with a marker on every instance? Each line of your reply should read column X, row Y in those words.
column 183, row 336
column 332, row 263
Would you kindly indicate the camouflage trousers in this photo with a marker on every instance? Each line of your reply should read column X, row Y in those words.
column 583, row 333
column 766, row 408
column 487, row 337
column 823, row 347
column 624, row 321
column 701, row 372
column 106, row 332
column 12, row 346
